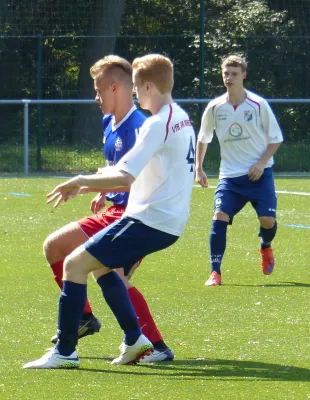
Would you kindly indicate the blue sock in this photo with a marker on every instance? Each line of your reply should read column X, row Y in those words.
column 217, row 244
column 116, row 295
column 71, row 306
column 267, row 235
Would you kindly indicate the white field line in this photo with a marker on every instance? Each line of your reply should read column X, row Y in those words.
column 297, row 193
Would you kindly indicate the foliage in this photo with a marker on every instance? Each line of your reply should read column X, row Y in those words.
column 267, row 33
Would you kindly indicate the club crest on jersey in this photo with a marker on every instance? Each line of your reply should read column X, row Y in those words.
column 218, row 202
column 118, row 144
column 248, row 116
column 235, row 130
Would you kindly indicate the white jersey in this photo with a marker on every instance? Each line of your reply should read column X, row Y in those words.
column 243, row 131
column 162, row 161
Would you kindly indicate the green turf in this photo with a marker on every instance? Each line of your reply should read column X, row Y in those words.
column 248, row 339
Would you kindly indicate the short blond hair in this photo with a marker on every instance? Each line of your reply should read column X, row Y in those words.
column 235, row 61
column 114, row 65
column 157, row 69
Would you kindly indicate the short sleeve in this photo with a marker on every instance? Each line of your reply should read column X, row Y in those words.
column 205, row 134
column 270, row 124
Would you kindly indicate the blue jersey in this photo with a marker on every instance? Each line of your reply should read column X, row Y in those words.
column 117, row 141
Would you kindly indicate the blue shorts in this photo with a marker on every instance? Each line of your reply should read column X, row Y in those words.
column 232, row 194
column 123, row 243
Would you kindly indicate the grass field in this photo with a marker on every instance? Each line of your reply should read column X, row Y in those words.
column 248, row 339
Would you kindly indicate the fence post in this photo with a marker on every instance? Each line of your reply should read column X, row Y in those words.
column 201, row 54
column 26, row 135
column 39, row 96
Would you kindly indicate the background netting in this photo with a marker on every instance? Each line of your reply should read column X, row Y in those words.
column 47, row 47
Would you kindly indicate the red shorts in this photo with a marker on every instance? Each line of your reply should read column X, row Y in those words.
column 91, row 225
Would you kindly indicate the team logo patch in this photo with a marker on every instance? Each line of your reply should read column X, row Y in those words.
column 118, row 144
column 235, row 130
column 248, row 115
column 218, row 202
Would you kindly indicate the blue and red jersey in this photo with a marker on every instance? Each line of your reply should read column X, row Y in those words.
column 118, row 140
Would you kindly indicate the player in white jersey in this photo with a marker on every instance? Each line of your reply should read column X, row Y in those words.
column 248, row 135
column 160, row 169
column 160, row 200
column 112, row 77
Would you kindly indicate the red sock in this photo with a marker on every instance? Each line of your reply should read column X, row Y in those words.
column 146, row 322
column 57, row 268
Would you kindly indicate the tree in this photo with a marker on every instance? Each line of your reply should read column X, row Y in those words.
column 106, row 22
column 69, row 46
column 267, row 32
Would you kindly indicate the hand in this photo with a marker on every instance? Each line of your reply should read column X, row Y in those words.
column 97, row 203
column 64, row 192
column 201, row 178
column 256, row 171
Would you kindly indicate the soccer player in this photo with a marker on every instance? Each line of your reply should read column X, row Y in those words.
column 249, row 135
column 160, row 170
column 113, row 85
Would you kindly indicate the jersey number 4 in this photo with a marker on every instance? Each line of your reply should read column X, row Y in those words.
column 191, row 155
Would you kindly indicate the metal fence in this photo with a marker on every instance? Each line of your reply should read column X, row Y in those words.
column 39, row 148
column 47, row 48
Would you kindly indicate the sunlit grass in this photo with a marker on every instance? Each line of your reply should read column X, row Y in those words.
column 245, row 340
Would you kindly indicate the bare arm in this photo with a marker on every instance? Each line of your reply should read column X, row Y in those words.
column 257, row 169
column 85, row 190
column 270, row 151
column 109, row 179
column 201, row 150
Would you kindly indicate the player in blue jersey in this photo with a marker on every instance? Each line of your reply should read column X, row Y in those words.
column 249, row 136
column 160, row 170
column 121, row 123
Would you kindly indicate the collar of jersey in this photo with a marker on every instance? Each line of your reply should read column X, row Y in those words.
column 114, row 127
column 226, row 98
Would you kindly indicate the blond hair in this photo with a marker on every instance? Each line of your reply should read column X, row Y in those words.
column 235, row 61
column 157, row 69
column 116, row 67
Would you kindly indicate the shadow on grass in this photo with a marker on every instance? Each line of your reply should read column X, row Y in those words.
column 212, row 369
column 271, row 285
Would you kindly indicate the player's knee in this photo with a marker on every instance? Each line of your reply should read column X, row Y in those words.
column 55, row 247
column 267, row 222
column 48, row 248
column 221, row 216
column 70, row 267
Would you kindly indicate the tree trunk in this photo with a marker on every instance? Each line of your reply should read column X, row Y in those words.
column 106, row 21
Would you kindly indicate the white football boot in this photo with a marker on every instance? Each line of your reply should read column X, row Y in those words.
column 158, row 355
column 132, row 354
column 53, row 359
